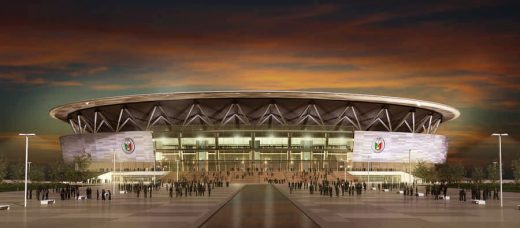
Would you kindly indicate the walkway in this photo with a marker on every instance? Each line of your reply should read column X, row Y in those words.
column 259, row 206
column 389, row 210
column 123, row 211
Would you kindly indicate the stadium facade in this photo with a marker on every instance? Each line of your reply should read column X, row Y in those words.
column 255, row 130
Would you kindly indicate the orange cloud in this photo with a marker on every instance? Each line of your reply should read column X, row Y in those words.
column 112, row 87
column 47, row 142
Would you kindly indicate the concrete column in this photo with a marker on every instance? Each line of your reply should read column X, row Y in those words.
column 252, row 146
column 325, row 150
column 217, row 151
column 289, row 138
column 181, row 154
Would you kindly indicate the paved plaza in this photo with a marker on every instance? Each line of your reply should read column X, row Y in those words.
column 389, row 209
column 261, row 205
column 122, row 211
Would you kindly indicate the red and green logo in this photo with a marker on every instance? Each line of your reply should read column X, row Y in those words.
column 128, row 145
column 379, row 145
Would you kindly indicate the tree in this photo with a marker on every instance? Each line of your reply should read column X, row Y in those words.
column 458, row 172
column 36, row 173
column 78, row 170
column 477, row 175
column 56, row 171
column 492, row 173
column 75, row 171
column 424, row 172
column 515, row 164
column 69, row 174
column 450, row 173
column 16, row 172
column 3, row 168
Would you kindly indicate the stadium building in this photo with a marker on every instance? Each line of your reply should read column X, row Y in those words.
column 255, row 130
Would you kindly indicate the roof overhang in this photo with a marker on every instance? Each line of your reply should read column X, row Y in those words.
column 62, row 112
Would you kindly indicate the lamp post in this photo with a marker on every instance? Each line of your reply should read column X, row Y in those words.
column 26, row 162
column 500, row 162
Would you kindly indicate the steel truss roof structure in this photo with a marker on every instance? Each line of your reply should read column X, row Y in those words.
column 254, row 110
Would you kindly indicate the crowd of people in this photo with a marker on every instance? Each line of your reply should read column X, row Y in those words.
column 66, row 192
column 480, row 194
column 201, row 184
column 329, row 186
column 324, row 183
column 197, row 184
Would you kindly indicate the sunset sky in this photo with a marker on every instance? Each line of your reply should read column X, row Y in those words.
column 462, row 53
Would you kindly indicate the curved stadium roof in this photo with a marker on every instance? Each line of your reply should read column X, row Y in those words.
column 254, row 109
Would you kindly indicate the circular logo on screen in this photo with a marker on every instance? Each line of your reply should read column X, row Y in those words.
column 128, row 145
column 378, row 145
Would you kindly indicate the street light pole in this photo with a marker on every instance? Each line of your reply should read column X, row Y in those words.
column 26, row 162
column 500, row 163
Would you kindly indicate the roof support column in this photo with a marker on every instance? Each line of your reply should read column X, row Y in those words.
column 95, row 123
column 181, row 154
column 73, row 126
column 413, row 122
column 79, row 125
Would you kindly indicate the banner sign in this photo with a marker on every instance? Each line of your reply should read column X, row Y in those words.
column 128, row 146
column 376, row 146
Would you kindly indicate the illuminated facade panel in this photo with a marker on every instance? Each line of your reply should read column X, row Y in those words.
column 399, row 147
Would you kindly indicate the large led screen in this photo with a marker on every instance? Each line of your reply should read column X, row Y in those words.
column 378, row 146
column 129, row 146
